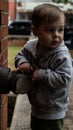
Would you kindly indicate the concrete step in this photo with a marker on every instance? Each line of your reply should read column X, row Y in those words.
column 21, row 115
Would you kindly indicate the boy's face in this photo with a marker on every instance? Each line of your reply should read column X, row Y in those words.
column 50, row 35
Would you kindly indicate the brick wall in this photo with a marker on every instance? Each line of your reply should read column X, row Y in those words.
column 12, row 5
column 3, row 58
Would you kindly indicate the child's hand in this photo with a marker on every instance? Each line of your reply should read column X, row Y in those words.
column 25, row 68
column 35, row 75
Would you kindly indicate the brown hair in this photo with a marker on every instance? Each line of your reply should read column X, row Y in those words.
column 47, row 12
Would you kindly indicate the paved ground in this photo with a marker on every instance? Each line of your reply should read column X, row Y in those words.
column 21, row 117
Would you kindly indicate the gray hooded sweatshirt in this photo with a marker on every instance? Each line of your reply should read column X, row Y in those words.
column 49, row 96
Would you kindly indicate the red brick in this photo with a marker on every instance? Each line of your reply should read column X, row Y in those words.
column 4, row 18
column 3, row 112
column 3, row 99
column 3, row 44
column 4, row 5
column 16, row 42
column 3, row 31
column 3, row 58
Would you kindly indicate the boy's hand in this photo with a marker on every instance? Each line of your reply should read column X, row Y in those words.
column 25, row 68
column 35, row 75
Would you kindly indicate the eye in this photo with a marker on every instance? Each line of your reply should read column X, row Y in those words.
column 50, row 30
column 60, row 30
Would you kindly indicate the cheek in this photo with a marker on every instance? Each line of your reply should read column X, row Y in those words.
column 62, row 36
column 47, row 40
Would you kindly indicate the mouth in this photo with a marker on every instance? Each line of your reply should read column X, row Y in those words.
column 55, row 43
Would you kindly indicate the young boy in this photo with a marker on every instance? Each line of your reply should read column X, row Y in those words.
column 48, row 62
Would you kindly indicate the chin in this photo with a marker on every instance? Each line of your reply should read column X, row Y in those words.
column 53, row 47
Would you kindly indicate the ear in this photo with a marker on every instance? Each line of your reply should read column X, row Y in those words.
column 34, row 30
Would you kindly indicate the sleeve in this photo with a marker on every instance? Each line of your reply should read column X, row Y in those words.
column 61, row 74
column 23, row 56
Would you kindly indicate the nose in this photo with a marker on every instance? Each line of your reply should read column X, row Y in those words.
column 55, row 33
